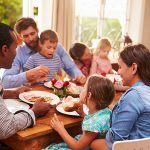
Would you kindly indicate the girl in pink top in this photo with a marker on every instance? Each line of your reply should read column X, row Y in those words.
column 101, row 63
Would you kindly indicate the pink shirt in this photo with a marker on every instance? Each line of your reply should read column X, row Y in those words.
column 100, row 66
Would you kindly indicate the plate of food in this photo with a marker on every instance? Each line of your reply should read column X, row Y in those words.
column 14, row 105
column 117, row 81
column 31, row 97
column 73, row 89
column 69, row 104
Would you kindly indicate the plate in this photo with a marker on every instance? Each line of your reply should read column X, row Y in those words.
column 48, row 84
column 114, row 77
column 118, row 82
column 72, row 88
column 14, row 105
column 23, row 96
column 60, row 109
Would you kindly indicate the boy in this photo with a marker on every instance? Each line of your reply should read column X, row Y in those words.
column 46, row 56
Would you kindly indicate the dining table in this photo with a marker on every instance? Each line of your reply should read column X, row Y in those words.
column 42, row 134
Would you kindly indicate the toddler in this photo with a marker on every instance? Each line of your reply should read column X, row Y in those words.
column 101, row 63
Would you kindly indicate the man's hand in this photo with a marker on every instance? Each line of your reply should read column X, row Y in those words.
column 40, row 108
column 80, row 80
column 37, row 74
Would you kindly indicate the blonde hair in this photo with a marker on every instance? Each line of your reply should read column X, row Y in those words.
column 103, row 42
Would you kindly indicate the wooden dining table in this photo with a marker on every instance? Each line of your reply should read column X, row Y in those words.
column 42, row 134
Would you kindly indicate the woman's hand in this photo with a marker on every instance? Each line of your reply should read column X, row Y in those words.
column 56, row 124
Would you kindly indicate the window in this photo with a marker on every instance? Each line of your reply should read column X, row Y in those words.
column 98, row 18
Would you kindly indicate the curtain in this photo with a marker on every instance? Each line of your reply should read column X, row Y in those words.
column 63, row 17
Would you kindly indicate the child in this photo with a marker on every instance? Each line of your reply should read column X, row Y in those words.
column 98, row 93
column 46, row 55
column 101, row 63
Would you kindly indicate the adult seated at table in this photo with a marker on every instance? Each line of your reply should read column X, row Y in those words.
column 130, row 117
column 16, row 76
column 82, row 57
column 11, row 123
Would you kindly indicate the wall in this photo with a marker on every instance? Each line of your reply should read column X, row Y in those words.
column 145, row 39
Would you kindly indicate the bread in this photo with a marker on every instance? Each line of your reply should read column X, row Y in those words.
column 70, row 104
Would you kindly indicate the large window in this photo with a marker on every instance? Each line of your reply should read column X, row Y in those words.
column 97, row 18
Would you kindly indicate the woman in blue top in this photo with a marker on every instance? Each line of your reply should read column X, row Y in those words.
column 98, row 93
column 131, row 116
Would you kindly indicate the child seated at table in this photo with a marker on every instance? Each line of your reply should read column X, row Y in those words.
column 101, row 63
column 46, row 56
column 98, row 93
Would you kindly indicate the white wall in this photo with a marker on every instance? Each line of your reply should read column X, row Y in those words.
column 136, row 19
column 45, row 14
column 145, row 39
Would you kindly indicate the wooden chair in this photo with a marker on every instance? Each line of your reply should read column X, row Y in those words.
column 138, row 144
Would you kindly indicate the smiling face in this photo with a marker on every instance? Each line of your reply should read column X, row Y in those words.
column 48, row 49
column 30, row 37
column 128, row 74
column 87, row 55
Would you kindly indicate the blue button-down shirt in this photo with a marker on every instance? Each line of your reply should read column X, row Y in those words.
column 16, row 76
column 131, row 116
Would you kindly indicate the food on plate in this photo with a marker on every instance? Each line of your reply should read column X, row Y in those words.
column 33, row 98
column 72, row 89
column 70, row 104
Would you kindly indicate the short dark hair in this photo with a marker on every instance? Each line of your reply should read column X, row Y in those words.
column 140, row 55
column 48, row 35
column 24, row 23
column 77, row 50
column 5, row 36
column 102, row 90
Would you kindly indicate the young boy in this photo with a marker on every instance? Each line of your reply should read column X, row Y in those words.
column 46, row 56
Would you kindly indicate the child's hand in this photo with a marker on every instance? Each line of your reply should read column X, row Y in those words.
column 80, row 111
column 56, row 124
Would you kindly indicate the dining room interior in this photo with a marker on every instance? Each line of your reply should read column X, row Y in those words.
column 75, row 21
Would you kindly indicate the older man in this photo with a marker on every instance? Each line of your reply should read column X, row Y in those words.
column 28, row 31
column 11, row 123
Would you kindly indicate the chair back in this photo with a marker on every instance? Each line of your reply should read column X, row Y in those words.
column 138, row 144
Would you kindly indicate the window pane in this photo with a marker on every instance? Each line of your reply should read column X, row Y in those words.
column 86, row 20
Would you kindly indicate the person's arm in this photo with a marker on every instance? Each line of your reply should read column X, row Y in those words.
column 14, row 77
column 81, row 144
column 11, row 123
column 69, row 66
column 124, row 116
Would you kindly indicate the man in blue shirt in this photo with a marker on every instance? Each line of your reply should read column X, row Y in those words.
column 16, row 76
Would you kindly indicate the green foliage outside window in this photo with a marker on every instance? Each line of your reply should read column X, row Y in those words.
column 10, row 11
column 86, row 30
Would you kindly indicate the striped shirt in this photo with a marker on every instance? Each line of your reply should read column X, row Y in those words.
column 11, row 123
column 55, row 63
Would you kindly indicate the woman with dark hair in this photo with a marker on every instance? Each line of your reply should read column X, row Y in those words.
column 82, row 57
column 131, row 115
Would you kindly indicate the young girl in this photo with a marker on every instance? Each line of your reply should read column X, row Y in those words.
column 101, row 63
column 98, row 93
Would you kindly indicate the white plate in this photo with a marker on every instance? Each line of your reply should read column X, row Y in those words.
column 60, row 109
column 72, row 89
column 14, row 105
column 113, row 77
column 55, row 98
column 48, row 84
